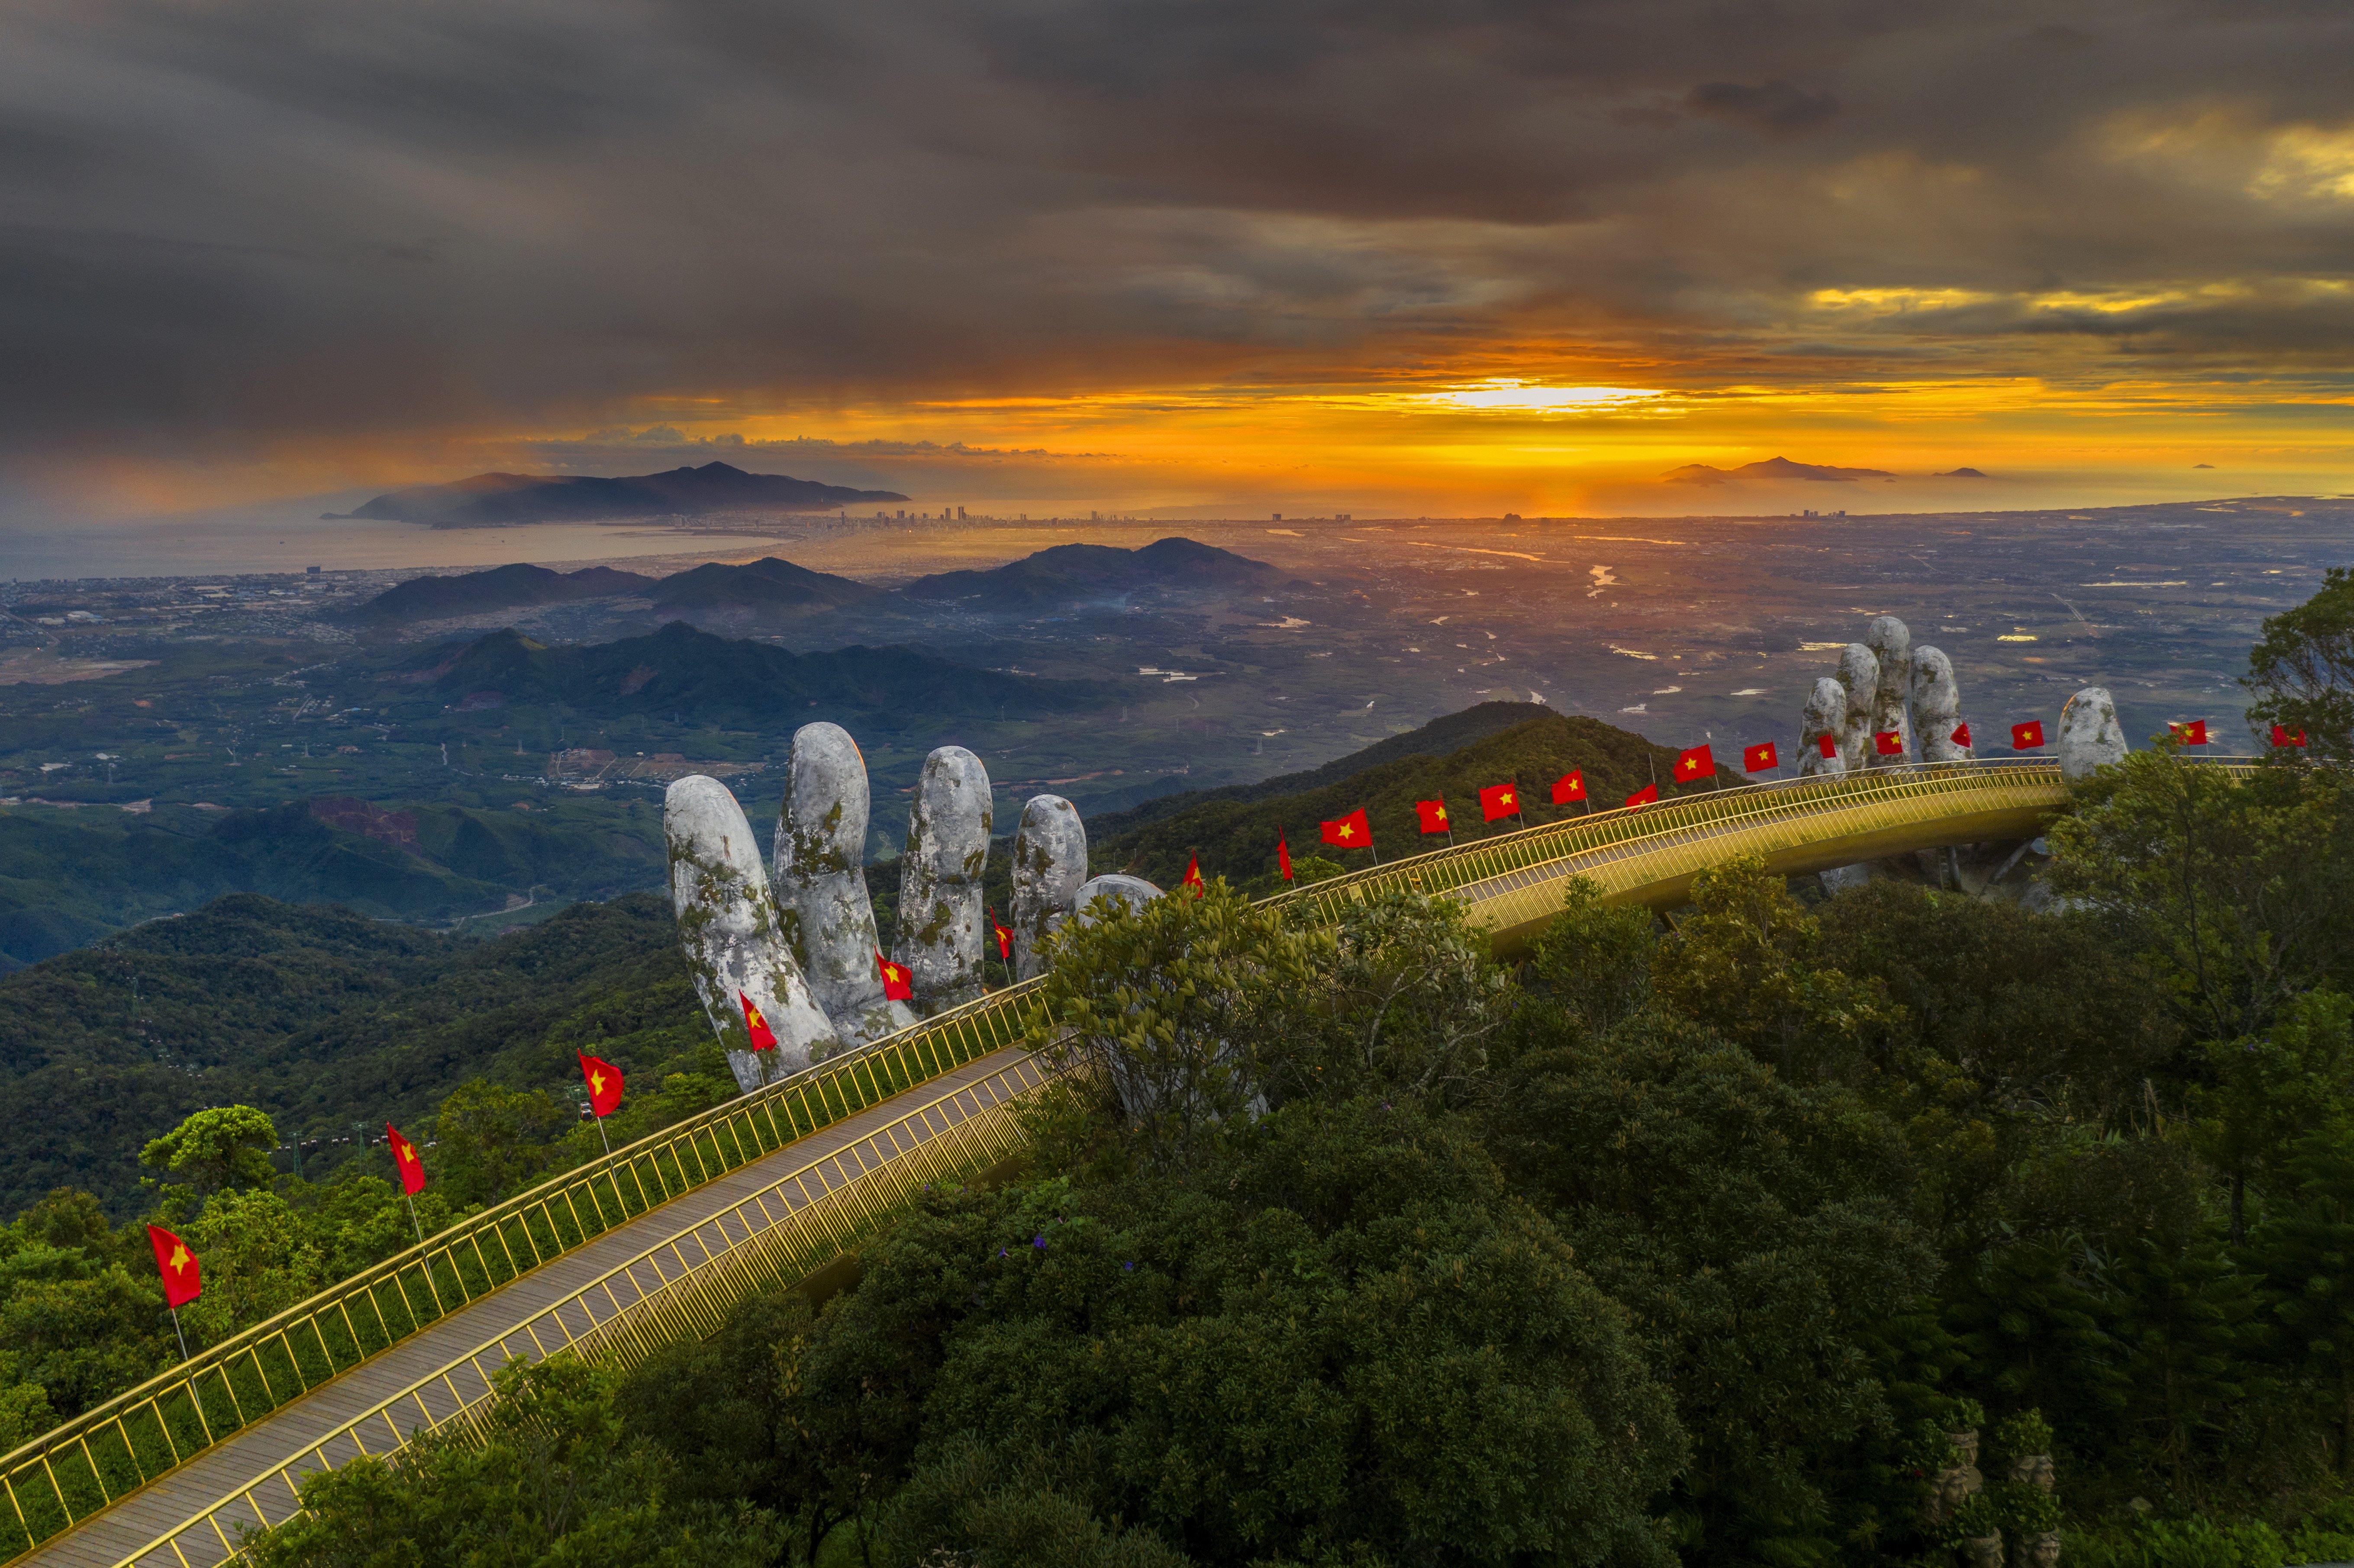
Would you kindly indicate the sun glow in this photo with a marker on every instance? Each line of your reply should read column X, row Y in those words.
column 1512, row 394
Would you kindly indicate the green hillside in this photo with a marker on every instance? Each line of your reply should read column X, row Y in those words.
column 71, row 877
column 329, row 1022
column 1234, row 830
column 722, row 682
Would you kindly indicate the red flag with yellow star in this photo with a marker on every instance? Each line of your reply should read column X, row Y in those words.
column 1649, row 795
column 2027, row 736
column 604, row 1081
column 1962, row 735
column 1694, row 762
column 2191, row 734
column 763, row 1037
column 898, row 982
column 1889, row 742
column 1569, row 788
column 1434, row 816
column 1499, row 800
column 184, row 1278
column 404, row 1157
column 1004, row 935
column 2281, row 735
column 1282, row 856
column 1352, row 831
column 1192, row 877
column 1759, row 758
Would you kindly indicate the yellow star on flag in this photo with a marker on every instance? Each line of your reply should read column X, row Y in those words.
column 1347, row 831
column 597, row 1083
column 179, row 1260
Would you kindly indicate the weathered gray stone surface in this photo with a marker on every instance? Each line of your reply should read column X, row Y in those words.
column 820, row 882
column 1050, row 861
column 1859, row 677
column 1936, row 707
column 1825, row 714
column 2090, row 735
column 941, row 923
column 1841, row 879
column 729, row 931
column 1892, row 649
column 1122, row 889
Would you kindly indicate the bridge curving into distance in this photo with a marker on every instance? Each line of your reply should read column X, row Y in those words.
column 781, row 1185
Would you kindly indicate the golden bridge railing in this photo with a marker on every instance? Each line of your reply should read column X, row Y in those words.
column 98, row 1457
column 684, row 1285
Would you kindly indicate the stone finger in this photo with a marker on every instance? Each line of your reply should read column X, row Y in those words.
column 1050, row 861
column 732, row 937
column 942, row 925
column 821, row 882
column 1936, row 707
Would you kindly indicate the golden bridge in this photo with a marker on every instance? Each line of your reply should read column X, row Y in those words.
column 776, row 1188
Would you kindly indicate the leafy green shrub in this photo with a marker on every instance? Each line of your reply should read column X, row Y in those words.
column 2194, row 1542
column 2024, row 1510
column 2023, row 1435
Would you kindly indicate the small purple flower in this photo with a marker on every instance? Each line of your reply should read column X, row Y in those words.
column 1128, row 1267
column 1001, row 1252
column 1039, row 1242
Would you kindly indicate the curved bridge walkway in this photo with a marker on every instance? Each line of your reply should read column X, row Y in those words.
column 660, row 1238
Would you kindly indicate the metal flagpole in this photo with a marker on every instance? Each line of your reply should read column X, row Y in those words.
column 1519, row 809
column 182, row 1337
column 414, row 1220
column 602, row 1139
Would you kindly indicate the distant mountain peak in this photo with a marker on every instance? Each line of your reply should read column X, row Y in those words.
column 1771, row 468
column 1960, row 474
column 488, row 500
column 1076, row 574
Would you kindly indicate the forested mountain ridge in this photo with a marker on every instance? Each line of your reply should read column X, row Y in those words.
column 728, row 681
column 322, row 1018
column 69, row 879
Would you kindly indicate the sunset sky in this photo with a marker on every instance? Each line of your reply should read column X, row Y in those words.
column 1182, row 258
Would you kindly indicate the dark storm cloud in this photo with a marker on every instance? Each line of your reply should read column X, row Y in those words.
column 1775, row 106
column 260, row 218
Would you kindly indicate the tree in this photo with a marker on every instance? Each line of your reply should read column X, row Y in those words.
column 1756, row 1229
column 2263, row 1095
column 1412, row 1000
column 1594, row 961
column 2304, row 1250
column 2238, row 894
column 1178, row 1008
column 1746, row 962
column 259, row 1258
column 490, row 1142
column 2301, row 671
column 228, row 1146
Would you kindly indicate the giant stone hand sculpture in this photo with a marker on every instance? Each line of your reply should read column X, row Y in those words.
column 801, row 959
